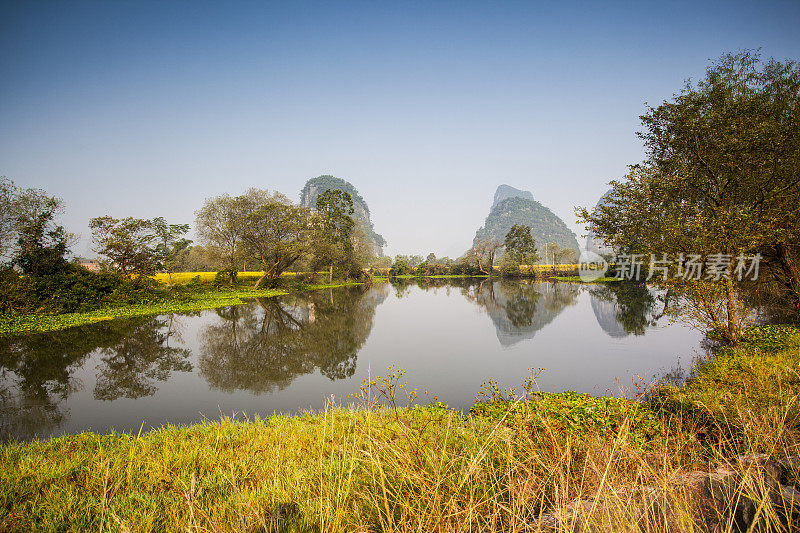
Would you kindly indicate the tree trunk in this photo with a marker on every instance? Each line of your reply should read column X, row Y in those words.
column 734, row 332
column 792, row 274
column 330, row 274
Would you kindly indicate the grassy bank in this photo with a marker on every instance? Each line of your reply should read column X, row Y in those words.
column 206, row 296
column 208, row 299
column 366, row 468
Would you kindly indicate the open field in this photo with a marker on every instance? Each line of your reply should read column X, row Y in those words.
column 186, row 277
column 510, row 466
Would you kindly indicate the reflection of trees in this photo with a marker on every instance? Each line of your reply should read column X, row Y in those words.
column 625, row 308
column 266, row 345
column 36, row 371
column 137, row 360
column 519, row 308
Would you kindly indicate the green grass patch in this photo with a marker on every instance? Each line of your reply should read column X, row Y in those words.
column 21, row 324
column 747, row 397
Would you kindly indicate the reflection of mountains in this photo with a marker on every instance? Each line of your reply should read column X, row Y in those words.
column 605, row 311
column 519, row 309
column 267, row 344
column 36, row 371
column 624, row 308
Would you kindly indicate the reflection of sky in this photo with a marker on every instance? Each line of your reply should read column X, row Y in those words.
column 447, row 344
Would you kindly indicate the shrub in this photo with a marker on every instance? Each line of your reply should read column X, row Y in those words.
column 228, row 275
column 195, row 284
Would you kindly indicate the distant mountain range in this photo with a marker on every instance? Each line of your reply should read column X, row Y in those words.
column 513, row 206
column 316, row 186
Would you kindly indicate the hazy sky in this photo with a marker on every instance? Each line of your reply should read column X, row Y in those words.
column 145, row 109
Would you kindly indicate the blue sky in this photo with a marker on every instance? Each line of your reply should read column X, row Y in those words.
column 145, row 109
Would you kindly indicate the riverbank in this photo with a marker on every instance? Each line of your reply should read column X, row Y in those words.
column 510, row 465
column 174, row 299
column 206, row 297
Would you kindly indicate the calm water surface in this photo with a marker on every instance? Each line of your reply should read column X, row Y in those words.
column 289, row 353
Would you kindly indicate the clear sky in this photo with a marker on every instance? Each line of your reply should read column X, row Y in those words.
column 145, row 109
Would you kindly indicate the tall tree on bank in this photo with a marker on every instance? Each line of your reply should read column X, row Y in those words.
column 128, row 243
column 275, row 232
column 8, row 220
column 721, row 177
column 220, row 224
column 484, row 252
column 334, row 228
column 170, row 242
column 41, row 243
column 520, row 245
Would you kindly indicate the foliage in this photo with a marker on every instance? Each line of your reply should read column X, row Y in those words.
column 275, row 232
column 554, row 254
column 257, row 225
column 333, row 239
column 8, row 197
column 228, row 275
column 520, row 245
column 770, row 337
column 170, row 243
column 745, row 396
column 128, row 243
column 719, row 177
column 41, row 244
column 574, row 415
column 483, row 252
column 400, row 267
column 220, row 225
column 319, row 185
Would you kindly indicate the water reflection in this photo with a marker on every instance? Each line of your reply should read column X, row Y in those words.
column 37, row 371
column 265, row 346
column 519, row 309
column 623, row 309
column 176, row 369
column 132, row 366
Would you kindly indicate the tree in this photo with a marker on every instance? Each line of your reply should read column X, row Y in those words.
column 170, row 242
column 484, row 251
column 520, row 246
column 8, row 218
column 721, row 177
column 274, row 232
column 41, row 244
column 221, row 225
column 555, row 254
column 333, row 238
column 128, row 243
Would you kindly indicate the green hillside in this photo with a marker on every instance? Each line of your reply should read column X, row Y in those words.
column 316, row 186
column 545, row 225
